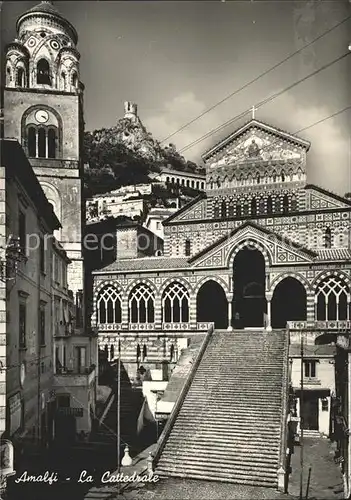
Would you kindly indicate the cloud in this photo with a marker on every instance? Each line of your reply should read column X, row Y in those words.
column 175, row 114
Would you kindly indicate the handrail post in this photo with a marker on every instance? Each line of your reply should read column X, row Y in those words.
column 282, row 471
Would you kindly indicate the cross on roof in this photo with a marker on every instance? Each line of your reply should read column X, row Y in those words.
column 253, row 109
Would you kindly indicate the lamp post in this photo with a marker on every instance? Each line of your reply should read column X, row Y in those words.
column 119, row 406
column 301, row 417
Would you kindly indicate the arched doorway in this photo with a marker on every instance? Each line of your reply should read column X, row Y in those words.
column 212, row 304
column 249, row 302
column 288, row 302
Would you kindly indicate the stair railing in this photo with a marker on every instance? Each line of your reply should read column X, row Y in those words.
column 182, row 395
column 283, row 458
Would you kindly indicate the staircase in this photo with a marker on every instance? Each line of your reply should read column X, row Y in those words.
column 229, row 425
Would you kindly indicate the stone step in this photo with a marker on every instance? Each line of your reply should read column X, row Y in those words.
column 234, row 476
column 228, row 452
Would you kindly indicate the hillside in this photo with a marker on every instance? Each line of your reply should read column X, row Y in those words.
column 125, row 154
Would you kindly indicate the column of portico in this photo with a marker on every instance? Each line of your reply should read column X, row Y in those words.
column 230, row 311
column 192, row 310
column 125, row 311
column 158, row 311
column 268, row 325
column 311, row 306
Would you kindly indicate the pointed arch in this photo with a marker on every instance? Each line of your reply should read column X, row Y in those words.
column 332, row 298
column 20, row 77
column 223, row 209
column 43, row 72
column 175, row 303
column 109, row 305
column 141, row 304
column 285, row 204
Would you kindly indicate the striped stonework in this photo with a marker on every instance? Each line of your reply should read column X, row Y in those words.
column 310, row 306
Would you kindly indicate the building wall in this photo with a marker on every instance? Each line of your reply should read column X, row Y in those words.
column 33, row 289
column 307, row 230
column 324, row 384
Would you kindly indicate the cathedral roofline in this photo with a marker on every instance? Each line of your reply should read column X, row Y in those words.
column 255, row 123
column 221, row 240
column 328, row 193
column 181, row 210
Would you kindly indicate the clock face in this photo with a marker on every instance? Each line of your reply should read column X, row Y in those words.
column 42, row 116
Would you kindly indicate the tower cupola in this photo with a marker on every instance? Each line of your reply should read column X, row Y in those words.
column 44, row 54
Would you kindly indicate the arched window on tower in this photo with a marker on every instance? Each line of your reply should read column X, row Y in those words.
column 74, row 80
column 42, row 143
column 269, row 205
column 328, row 238
column 282, row 176
column 63, row 80
column 293, row 203
column 43, row 72
column 258, row 178
column 246, row 208
column 32, row 142
column 187, row 248
column 144, row 352
column 51, row 143
column 231, row 209
column 285, row 204
column 20, row 77
column 8, row 75
column 223, row 210
column 138, row 353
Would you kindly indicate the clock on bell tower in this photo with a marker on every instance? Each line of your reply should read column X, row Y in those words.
column 43, row 103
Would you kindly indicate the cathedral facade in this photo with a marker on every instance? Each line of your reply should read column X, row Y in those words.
column 259, row 249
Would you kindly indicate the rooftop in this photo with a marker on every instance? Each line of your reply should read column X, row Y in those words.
column 146, row 263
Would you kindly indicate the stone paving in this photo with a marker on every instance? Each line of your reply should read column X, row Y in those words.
column 326, row 478
column 325, row 484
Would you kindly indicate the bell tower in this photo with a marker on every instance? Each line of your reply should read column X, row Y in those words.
column 43, row 109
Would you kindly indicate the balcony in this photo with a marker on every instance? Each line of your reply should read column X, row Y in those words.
column 336, row 325
column 78, row 377
column 63, row 330
column 147, row 327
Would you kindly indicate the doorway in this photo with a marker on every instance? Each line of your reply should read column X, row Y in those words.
column 310, row 411
column 249, row 302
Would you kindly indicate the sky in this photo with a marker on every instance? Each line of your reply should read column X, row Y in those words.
column 176, row 59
